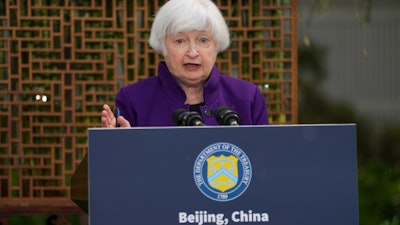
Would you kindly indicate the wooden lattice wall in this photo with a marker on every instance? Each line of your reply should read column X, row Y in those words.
column 61, row 60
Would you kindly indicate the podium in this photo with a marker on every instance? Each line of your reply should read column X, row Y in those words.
column 277, row 175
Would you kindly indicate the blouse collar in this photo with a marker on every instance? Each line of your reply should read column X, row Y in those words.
column 172, row 88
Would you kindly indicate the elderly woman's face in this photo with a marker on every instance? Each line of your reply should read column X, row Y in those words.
column 190, row 57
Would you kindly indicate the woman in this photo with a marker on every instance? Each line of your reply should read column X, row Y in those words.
column 189, row 34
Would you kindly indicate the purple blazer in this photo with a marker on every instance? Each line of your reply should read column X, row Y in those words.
column 152, row 102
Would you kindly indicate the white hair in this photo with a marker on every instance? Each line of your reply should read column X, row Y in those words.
column 177, row 16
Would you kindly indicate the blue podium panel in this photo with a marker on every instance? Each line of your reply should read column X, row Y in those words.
column 277, row 175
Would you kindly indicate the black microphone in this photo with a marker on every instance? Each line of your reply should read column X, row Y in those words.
column 226, row 116
column 182, row 117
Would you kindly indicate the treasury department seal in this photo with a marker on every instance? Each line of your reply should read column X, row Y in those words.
column 222, row 171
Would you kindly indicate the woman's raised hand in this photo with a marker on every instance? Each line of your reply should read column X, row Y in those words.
column 108, row 119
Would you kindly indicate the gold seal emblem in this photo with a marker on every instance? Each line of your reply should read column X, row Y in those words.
column 222, row 172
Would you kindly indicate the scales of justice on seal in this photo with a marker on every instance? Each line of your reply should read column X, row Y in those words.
column 286, row 174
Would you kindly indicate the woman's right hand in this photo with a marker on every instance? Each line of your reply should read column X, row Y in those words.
column 108, row 119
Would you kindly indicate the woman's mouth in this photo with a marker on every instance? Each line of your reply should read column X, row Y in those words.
column 191, row 66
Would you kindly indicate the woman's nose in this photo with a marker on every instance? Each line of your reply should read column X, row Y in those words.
column 192, row 52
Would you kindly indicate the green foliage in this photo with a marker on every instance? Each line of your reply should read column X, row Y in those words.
column 378, row 153
column 378, row 193
column 394, row 221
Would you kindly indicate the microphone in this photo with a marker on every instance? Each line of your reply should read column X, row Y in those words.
column 182, row 117
column 226, row 116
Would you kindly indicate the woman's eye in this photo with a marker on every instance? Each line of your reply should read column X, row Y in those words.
column 180, row 41
column 203, row 40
